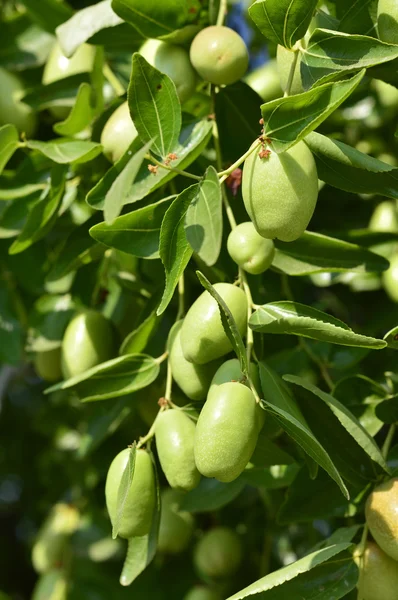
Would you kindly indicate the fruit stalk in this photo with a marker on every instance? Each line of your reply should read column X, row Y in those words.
column 174, row 169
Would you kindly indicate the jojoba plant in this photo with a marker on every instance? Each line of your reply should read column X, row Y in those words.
column 199, row 279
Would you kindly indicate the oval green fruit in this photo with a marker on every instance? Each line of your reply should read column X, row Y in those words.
column 284, row 59
column 384, row 218
column 265, row 81
column 51, row 586
column 175, row 433
column 378, row 577
column 249, row 249
column 58, row 66
column 226, row 432
column 176, row 526
column 203, row 338
column 387, row 21
column 382, row 517
column 219, row 55
column 390, row 278
column 201, row 592
column 119, row 133
column 194, row 380
column 48, row 364
column 87, row 342
column 140, row 501
column 280, row 192
column 49, row 548
column 173, row 61
column 12, row 110
column 218, row 554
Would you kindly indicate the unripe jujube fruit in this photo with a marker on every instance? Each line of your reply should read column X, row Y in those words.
column 87, row 342
column 49, row 548
column 390, row 278
column 48, row 364
column 175, row 433
column 219, row 55
column 176, row 527
column 202, row 334
column 200, row 592
column 384, row 218
column 226, row 432
column 265, row 81
column 119, row 132
column 173, row 61
column 140, row 501
column 12, row 110
column 387, row 21
column 378, row 577
column 51, row 586
column 249, row 249
column 382, row 517
column 193, row 379
column 284, row 59
column 218, row 554
column 280, row 192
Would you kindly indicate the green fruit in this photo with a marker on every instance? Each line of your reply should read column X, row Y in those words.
column 265, row 81
column 58, row 66
column 280, row 192
column 51, row 586
column 12, row 110
column 284, row 59
column 88, row 341
column 119, row 133
column 390, row 278
column 48, row 364
column 387, row 94
column 226, row 432
column 173, row 61
column 175, row 433
column 218, row 554
column 194, row 380
column 382, row 517
column 387, row 21
column 384, row 218
column 378, row 577
column 49, row 549
column 219, row 55
column 203, row 338
column 176, row 527
column 200, row 592
column 140, row 501
column 250, row 250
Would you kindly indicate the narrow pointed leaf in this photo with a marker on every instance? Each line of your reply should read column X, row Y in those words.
column 81, row 114
column 124, row 488
column 211, row 495
column 64, row 151
column 283, row 21
column 298, row 319
column 9, row 142
column 391, row 337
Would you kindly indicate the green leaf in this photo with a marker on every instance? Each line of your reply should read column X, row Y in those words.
column 193, row 139
column 211, row 495
column 48, row 321
column 65, row 151
column 289, row 120
column 9, row 142
column 391, row 337
column 23, row 45
column 272, row 478
column 124, row 488
column 279, row 402
column 43, row 213
column 174, row 248
column 117, row 194
column 298, row 319
column 154, row 106
column 280, row 578
column 268, row 454
column 283, row 21
column 349, row 169
column 346, row 418
column 228, row 323
column 387, row 411
column 113, row 378
column 59, row 93
column 81, row 114
column 362, row 396
column 138, row 339
column 317, row 253
column 11, row 332
column 141, row 550
column 333, row 54
column 48, row 14
column 357, row 17
column 84, row 24
column 203, row 221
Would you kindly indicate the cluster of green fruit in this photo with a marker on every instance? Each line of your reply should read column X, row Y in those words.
column 378, row 561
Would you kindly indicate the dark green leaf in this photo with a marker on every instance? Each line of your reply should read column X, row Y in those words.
column 203, row 220
column 64, row 151
column 211, row 495
column 48, row 14
column 124, row 488
column 357, row 17
column 288, row 120
column 113, row 378
column 154, row 106
column 228, row 322
column 11, row 332
column 387, row 411
column 272, row 478
column 9, row 142
column 283, row 21
column 137, row 340
column 361, row 395
column 298, row 319
column 174, row 248
column 23, row 45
